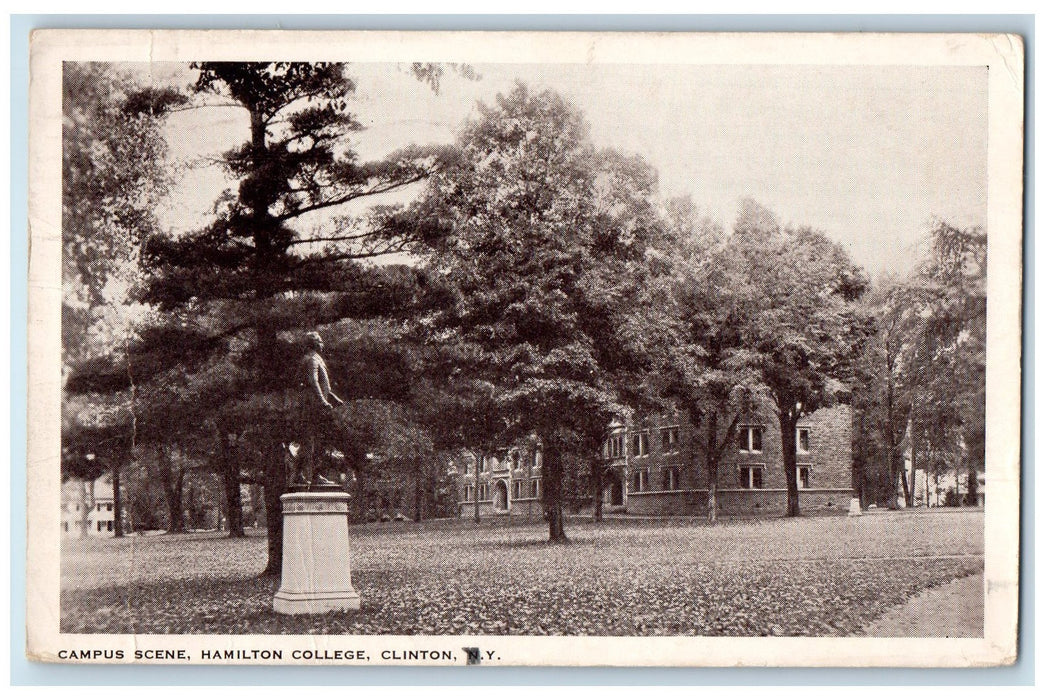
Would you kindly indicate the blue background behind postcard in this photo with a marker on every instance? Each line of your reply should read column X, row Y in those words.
column 26, row 673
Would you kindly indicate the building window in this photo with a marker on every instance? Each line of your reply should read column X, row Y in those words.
column 639, row 480
column 467, row 493
column 803, row 476
column 108, row 507
column 535, row 488
column 751, row 438
column 802, row 440
column 669, row 439
column 670, row 479
column 99, row 526
column 516, row 489
column 65, row 526
column 614, row 446
column 751, row 477
column 640, row 444
column 538, row 459
column 99, row 507
column 108, row 525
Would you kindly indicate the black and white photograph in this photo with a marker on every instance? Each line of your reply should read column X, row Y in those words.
column 456, row 349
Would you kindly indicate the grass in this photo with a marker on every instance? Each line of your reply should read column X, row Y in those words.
column 806, row 576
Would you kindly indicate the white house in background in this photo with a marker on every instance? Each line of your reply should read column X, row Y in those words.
column 88, row 503
column 931, row 489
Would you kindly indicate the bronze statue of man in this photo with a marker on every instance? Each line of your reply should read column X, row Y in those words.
column 317, row 412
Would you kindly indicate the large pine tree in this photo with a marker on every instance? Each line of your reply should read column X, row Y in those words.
column 290, row 248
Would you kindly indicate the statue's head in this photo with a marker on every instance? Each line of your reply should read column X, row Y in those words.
column 314, row 340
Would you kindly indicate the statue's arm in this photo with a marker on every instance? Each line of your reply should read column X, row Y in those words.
column 334, row 398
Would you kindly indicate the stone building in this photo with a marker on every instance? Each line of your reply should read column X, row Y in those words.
column 506, row 481
column 657, row 467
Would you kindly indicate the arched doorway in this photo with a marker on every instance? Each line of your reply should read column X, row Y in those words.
column 500, row 496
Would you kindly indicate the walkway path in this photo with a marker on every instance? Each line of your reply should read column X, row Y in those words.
column 952, row 610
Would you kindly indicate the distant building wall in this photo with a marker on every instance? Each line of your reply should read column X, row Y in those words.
column 657, row 467
column 508, row 481
column 670, row 478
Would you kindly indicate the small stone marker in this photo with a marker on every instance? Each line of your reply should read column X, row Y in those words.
column 854, row 507
column 317, row 577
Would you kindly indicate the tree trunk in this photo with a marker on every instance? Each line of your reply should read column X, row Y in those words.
column 475, row 490
column 553, row 492
column 857, row 468
column 974, row 487
column 174, row 505
column 172, row 490
column 117, row 500
column 914, row 463
column 419, row 493
column 267, row 369
column 788, row 423
column 712, row 497
column 914, row 430
column 711, row 461
column 254, row 489
column 86, row 506
column 894, row 474
column 597, row 469
column 275, row 486
column 233, row 499
column 177, row 517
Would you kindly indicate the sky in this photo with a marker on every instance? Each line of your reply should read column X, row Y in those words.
column 867, row 153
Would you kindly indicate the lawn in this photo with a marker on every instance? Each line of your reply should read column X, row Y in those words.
column 805, row 576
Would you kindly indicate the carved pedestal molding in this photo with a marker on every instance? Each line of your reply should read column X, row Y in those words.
column 317, row 577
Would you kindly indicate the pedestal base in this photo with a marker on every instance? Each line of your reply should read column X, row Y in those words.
column 854, row 507
column 317, row 577
column 311, row 604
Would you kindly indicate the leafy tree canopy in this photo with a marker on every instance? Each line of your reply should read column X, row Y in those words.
column 547, row 252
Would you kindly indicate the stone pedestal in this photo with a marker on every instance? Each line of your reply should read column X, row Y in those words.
column 316, row 573
column 854, row 507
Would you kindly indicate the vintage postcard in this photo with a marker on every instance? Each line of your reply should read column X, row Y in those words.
column 497, row 348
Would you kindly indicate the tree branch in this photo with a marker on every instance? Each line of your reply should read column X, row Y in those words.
column 345, row 199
